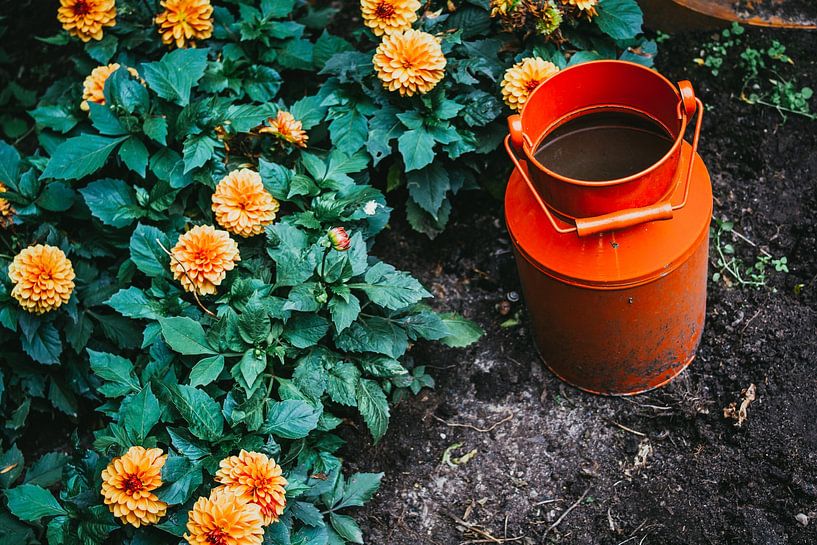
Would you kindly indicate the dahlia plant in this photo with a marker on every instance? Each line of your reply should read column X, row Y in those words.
column 187, row 277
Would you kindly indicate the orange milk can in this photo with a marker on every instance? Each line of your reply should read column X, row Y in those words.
column 613, row 271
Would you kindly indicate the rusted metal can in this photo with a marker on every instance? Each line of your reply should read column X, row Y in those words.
column 614, row 273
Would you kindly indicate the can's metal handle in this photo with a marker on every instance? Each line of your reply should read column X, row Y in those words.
column 691, row 105
column 516, row 139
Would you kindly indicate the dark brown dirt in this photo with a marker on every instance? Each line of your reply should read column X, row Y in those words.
column 689, row 476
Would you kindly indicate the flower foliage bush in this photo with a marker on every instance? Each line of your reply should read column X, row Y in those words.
column 187, row 227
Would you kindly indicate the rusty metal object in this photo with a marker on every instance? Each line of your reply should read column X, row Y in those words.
column 675, row 15
column 617, row 301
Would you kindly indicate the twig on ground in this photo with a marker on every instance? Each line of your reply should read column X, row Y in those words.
column 184, row 270
column 477, row 530
column 625, row 428
column 567, row 512
column 756, row 314
column 545, row 502
column 471, row 426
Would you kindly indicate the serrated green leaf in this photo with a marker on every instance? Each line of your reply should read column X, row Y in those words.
column 133, row 303
column 342, row 383
column 374, row 407
column 116, row 371
column 306, row 330
column 80, row 156
column 141, row 412
column 174, row 75
column 185, row 336
column 206, row 370
column 344, row 311
column 390, row 288
column 135, row 155
column 461, row 332
column 180, row 478
column 30, row 502
column 290, row 419
column 417, row 148
column 47, row 471
column 200, row 411
column 112, row 201
column 146, row 253
column 56, row 197
column 619, row 19
column 359, row 489
column 346, row 527
column 54, row 117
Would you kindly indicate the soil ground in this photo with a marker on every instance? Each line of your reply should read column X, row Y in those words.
column 661, row 468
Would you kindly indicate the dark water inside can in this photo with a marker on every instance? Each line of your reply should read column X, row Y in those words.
column 604, row 145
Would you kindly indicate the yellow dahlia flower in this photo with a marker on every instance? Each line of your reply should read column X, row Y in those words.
column 206, row 255
column 93, row 88
column 256, row 478
column 587, row 6
column 43, row 278
column 85, row 19
column 242, row 205
column 224, row 519
column 387, row 16
column 128, row 484
column 6, row 210
column 184, row 21
column 522, row 78
column 286, row 127
column 409, row 62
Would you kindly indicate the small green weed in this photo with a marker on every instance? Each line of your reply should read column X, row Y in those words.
column 732, row 269
column 762, row 83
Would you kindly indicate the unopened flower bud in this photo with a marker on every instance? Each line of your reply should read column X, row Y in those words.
column 339, row 238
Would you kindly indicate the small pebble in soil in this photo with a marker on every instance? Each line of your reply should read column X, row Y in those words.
column 802, row 519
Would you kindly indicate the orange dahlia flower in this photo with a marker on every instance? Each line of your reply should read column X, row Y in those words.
column 202, row 257
column 43, row 278
column 224, row 519
column 587, row 6
column 255, row 477
column 93, row 88
column 85, row 19
column 6, row 210
column 387, row 16
column 522, row 78
column 286, row 127
column 409, row 62
column 242, row 205
column 128, row 484
column 184, row 21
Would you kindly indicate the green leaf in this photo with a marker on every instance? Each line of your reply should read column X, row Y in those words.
column 9, row 164
column 155, row 128
column 417, row 148
column 290, row 419
column 326, row 46
column 254, row 323
column 374, row 407
column 346, row 527
column 47, row 471
column 428, row 187
column 244, row 117
column 349, row 131
column 80, row 156
column 373, row 334
column 619, row 19
column 206, row 370
column 359, row 489
column 342, row 384
column 461, row 332
column 135, row 155
column 391, row 288
column 113, row 202
column 185, row 336
column 116, row 371
column 181, row 477
column 30, row 502
column 133, row 303
column 41, row 342
column 123, row 91
column 146, row 253
column 307, row 513
column 56, row 197
column 198, row 148
column 344, row 311
column 251, row 366
column 105, row 121
column 174, row 75
column 54, row 117
column 306, row 330
column 102, row 51
column 141, row 412
column 11, row 465
column 200, row 411
column 302, row 298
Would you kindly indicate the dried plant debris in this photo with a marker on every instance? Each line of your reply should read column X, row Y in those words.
column 740, row 414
